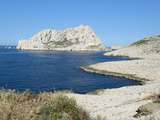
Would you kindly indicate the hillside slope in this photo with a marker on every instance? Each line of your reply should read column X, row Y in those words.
column 146, row 47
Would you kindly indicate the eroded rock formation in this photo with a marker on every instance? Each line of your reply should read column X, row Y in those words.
column 78, row 38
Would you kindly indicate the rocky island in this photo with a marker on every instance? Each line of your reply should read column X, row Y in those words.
column 78, row 38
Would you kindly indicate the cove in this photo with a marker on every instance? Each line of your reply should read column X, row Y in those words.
column 41, row 71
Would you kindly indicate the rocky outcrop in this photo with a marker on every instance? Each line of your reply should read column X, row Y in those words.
column 116, row 47
column 117, row 104
column 123, row 103
column 146, row 47
column 78, row 38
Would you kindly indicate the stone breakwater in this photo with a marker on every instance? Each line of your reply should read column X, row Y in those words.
column 78, row 38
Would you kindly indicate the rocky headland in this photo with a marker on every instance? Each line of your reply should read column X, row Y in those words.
column 76, row 39
column 123, row 103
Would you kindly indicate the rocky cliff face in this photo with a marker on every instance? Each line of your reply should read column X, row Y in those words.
column 146, row 47
column 78, row 38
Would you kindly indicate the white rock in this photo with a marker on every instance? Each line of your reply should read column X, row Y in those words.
column 147, row 47
column 78, row 38
column 117, row 104
column 116, row 47
column 122, row 103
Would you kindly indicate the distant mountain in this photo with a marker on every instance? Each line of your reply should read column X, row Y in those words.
column 146, row 47
column 78, row 38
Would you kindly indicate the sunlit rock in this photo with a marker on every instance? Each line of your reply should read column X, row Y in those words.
column 78, row 38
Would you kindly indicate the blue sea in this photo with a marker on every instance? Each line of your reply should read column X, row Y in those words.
column 40, row 71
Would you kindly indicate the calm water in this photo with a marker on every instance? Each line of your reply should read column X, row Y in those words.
column 48, row 71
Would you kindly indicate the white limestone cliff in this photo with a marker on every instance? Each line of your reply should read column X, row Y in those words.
column 78, row 38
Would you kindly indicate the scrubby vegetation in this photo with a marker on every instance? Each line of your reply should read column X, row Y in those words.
column 140, row 42
column 44, row 106
column 150, row 108
column 148, row 40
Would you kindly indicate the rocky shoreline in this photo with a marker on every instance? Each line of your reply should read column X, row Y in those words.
column 123, row 103
column 117, row 104
column 141, row 81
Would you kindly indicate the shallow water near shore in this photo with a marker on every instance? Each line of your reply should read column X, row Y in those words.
column 41, row 71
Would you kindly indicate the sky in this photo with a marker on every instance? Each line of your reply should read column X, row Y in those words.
column 116, row 22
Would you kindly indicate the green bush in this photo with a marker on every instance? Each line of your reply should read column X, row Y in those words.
column 63, row 108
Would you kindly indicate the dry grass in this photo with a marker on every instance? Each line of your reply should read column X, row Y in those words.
column 44, row 106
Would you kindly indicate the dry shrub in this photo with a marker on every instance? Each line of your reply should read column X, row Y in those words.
column 63, row 108
column 44, row 106
column 149, row 110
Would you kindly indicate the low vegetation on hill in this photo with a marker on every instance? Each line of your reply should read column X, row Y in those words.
column 44, row 106
column 140, row 42
column 150, row 45
column 146, row 47
column 147, row 40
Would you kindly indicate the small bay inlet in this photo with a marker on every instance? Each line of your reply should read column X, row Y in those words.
column 41, row 71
